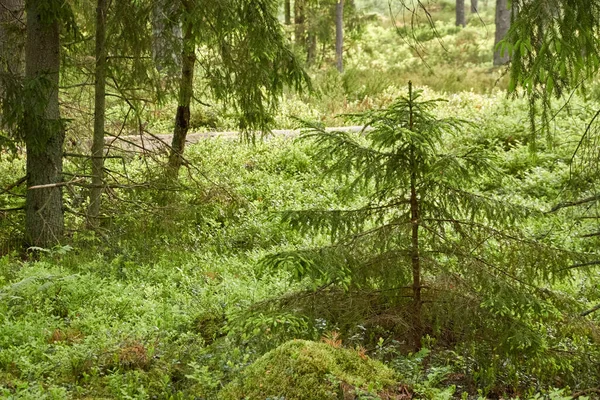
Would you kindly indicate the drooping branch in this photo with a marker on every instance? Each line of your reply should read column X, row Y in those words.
column 581, row 265
column 591, row 310
column 575, row 203
column 13, row 185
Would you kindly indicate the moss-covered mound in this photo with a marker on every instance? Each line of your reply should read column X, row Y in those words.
column 305, row 370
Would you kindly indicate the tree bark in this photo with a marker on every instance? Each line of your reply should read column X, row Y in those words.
column 44, row 134
column 311, row 48
column 182, row 118
column 339, row 35
column 99, row 114
column 415, row 255
column 299, row 22
column 474, row 7
column 12, row 41
column 460, row 13
column 503, row 16
column 288, row 12
column 166, row 36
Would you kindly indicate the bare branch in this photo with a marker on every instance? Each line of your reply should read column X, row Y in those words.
column 585, row 264
column 574, row 203
column 588, row 312
column 12, row 209
column 13, row 185
column 59, row 184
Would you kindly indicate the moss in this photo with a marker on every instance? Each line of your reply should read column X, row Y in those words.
column 307, row 370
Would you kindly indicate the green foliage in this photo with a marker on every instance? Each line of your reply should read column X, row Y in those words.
column 547, row 58
column 402, row 150
column 245, row 59
column 168, row 302
column 470, row 247
column 172, row 302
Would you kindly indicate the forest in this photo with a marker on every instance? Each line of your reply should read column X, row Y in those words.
column 299, row 199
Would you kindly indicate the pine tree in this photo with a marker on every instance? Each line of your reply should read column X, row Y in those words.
column 414, row 222
column 501, row 56
column 339, row 35
column 11, row 40
column 42, row 126
column 99, row 113
column 460, row 13
column 474, row 7
column 246, row 62
column 12, row 46
column 287, row 11
column 555, row 50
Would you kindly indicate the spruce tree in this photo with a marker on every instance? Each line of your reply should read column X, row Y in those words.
column 461, row 19
column 42, row 126
column 339, row 35
column 245, row 62
column 414, row 222
column 501, row 56
column 99, row 113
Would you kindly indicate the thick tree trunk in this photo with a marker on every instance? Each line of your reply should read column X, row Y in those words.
column 415, row 255
column 99, row 114
column 288, row 11
column 503, row 15
column 474, row 7
column 299, row 22
column 460, row 13
column 182, row 119
column 339, row 35
column 44, row 134
column 12, row 41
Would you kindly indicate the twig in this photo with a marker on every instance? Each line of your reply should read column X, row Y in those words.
column 13, row 185
column 12, row 209
column 53, row 185
column 585, row 264
column 75, row 155
column 594, row 234
column 588, row 312
column 586, row 391
column 574, row 203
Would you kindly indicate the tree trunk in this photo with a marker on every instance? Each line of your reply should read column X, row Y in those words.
column 339, row 35
column 12, row 41
column 44, row 134
column 474, row 7
column 502, row 27
column 415, row 256
column 182, row 119
column 288, row 12
column 460, row 13
column 99, row 114
column 299, row 21
column 166, row 36
column 311, row 50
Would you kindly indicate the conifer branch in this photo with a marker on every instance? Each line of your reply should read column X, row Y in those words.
column 574, row 203
column 13, row 185
column 581, row 265
column 591, row 310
